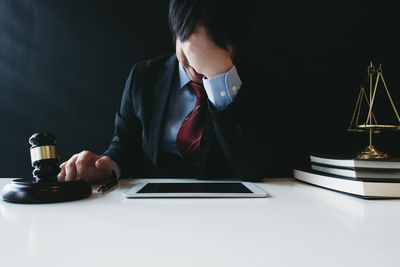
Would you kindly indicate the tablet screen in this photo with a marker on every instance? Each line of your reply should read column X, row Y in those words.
column 194, row 188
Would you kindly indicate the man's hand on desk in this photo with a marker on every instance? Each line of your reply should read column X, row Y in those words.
column 88, row 166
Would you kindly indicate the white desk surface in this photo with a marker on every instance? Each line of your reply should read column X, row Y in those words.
column 299, row 225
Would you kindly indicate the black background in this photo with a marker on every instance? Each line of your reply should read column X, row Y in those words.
column 63, row 66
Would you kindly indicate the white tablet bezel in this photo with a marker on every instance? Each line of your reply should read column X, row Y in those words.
column 133, row 192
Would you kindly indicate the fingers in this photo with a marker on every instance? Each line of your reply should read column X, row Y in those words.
column 83, row 163
column 76, row 167
column 86, row 165
column 70, row 169
column 61, row 175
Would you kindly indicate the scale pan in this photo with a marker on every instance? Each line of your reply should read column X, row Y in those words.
column 364, row 130
column 378, row 127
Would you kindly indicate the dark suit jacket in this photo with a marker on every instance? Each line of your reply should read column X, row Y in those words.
column 246, row 140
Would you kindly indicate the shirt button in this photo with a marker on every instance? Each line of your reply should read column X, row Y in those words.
column 223, row 93
column 234, row 88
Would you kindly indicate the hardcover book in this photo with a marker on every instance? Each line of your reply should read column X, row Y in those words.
column 359, row 173
column 352, row 186
column 347, row 161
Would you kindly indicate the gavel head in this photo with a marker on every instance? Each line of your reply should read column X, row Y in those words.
column 44, row 156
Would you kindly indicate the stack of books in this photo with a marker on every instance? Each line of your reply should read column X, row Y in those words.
column 366, row 178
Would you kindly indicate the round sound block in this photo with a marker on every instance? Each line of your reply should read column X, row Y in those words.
column 30, row 191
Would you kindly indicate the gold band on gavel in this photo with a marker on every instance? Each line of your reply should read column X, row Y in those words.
column 44, row 152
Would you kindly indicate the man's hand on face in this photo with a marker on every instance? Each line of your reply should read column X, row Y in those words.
column 204, row 55
column 88, row 166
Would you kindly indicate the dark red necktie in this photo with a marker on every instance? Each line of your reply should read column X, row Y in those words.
column 189, row 135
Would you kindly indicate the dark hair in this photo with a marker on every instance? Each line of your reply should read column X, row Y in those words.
column 228, row 22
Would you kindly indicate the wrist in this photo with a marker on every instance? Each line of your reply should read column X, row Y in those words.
column 218, row 69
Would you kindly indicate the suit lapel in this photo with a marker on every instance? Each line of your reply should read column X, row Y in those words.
column 162, row 93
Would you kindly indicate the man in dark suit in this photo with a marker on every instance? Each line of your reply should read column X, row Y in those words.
column 203, row 112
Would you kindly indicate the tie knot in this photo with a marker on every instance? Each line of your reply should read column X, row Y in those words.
column 198, row 89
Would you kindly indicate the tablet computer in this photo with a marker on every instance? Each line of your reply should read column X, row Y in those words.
column 160, row 188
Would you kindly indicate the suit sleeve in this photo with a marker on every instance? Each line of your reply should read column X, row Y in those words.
column 251, row 130
column 125, row 147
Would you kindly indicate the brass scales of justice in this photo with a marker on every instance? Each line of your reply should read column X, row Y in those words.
column 371, row 125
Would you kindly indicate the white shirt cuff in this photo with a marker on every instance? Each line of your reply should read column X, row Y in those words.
column 222, row 89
